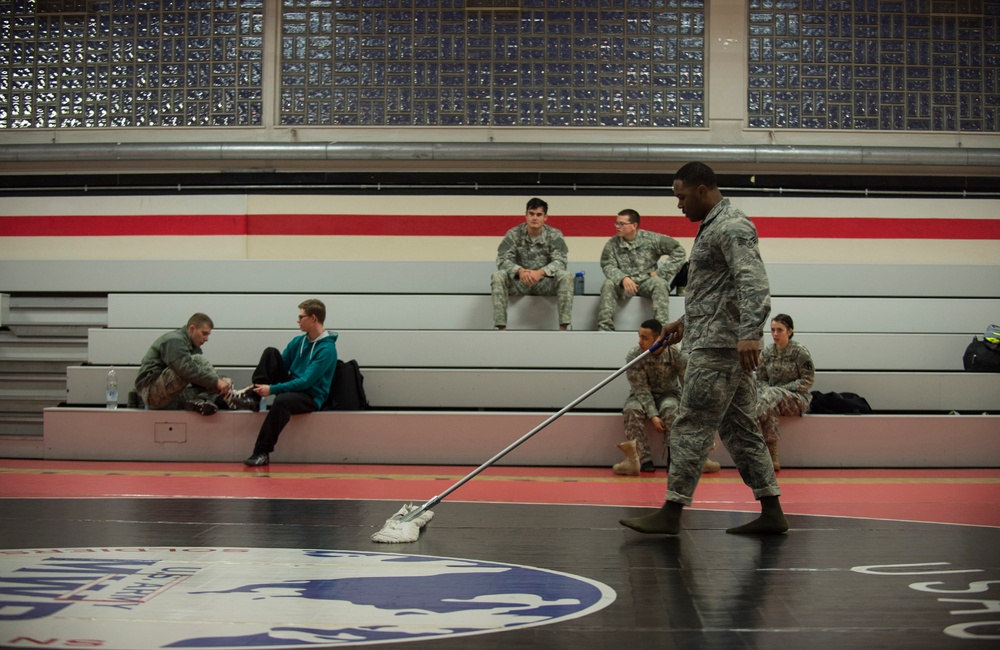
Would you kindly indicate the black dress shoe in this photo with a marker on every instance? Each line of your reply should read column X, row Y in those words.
column 647, row 467
column 257, row 460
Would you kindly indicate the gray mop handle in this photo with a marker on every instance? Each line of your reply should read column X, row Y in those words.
column 604, row 382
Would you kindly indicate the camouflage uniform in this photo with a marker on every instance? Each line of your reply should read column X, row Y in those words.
column 174, row 371
column 655, row 384
column 728, row 300
column 547, row 251
column 783, row 382
column 637, row 259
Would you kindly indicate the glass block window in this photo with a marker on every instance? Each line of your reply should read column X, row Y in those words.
column 892, row 65
column 596, row 63
column 127, row 63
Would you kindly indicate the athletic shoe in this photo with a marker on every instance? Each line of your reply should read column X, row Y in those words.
column 201, row 406
column 257, row 459
column 244, row 399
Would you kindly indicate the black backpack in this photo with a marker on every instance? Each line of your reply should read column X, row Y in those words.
column 983, row 354
column 347, row 393
column 680, row 279
column 850, row 403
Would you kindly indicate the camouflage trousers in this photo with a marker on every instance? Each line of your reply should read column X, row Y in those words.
column 559, row 285
column 718, row 396
column 773, row 402
column 653, row 287
column 171, row 391
column 635, row 422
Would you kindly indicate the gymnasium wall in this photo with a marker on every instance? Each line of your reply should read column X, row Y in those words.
column 460, row 228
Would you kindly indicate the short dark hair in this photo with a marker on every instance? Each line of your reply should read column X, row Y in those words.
column 535, row 203
column 695, row 174
column 198, row 319
column 652, row 324
column 632, row 215
column 785, row 320
column 314, row 307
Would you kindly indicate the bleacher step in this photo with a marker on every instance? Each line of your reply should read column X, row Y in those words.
column 467, row 438
column 500, row 388
column 20, row 425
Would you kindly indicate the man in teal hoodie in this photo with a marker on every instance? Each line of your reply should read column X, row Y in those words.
column 299, row 378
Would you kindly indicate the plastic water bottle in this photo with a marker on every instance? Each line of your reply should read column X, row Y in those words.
column 578, row 283
column 111, row 393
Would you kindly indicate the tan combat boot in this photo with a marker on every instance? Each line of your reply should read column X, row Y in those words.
column 710, row 465
column 629, row 466
column 772, row 448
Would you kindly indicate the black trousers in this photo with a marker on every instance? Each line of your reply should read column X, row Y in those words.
column 271, row 370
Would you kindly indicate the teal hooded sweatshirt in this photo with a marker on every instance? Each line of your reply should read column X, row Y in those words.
column 311, row 365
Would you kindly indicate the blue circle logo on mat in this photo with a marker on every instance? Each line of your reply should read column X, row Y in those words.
column 271, row 598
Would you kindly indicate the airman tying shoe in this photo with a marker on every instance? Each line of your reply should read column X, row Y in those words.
column 174, row 374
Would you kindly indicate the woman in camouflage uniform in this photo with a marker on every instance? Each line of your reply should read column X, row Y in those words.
column 783, row 382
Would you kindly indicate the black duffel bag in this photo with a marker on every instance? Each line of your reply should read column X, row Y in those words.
column 849, row 403
column 982, row 355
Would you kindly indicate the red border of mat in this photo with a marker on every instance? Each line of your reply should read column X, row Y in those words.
column 968, row 497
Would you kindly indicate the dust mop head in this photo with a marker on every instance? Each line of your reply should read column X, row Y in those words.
column 397, row 531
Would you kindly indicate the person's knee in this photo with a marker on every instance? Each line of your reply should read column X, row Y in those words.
column 282, row 402
column 633, row 414
column 657, row 289
column 657, row 283
column 269, row 356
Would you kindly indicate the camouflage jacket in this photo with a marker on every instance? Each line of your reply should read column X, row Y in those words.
column 728, row 297
column 548, row 251
column 791, row 368
column 655, row 376
column 174, row 350
column 638, row 258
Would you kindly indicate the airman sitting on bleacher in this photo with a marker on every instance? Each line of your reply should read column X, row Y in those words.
column 174, row 374
column 532, row 261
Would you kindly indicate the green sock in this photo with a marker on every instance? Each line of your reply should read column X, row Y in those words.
column 771, row 521
column 665, row 521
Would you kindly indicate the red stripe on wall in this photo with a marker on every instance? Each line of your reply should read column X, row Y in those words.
column 389, row 224
column 122, row 225
column 477, row 226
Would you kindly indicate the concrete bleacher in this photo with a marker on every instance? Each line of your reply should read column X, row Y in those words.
column 855, row 314
column 435, row 367
column 499, row 388
column 448, row 389
column 819, row 279
column 470, row 438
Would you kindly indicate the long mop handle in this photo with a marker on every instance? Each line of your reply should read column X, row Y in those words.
column 471, row 475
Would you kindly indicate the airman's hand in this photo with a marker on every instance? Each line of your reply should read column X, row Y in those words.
column 749, row 351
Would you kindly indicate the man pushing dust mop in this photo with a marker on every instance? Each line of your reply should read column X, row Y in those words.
column 727, row 303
